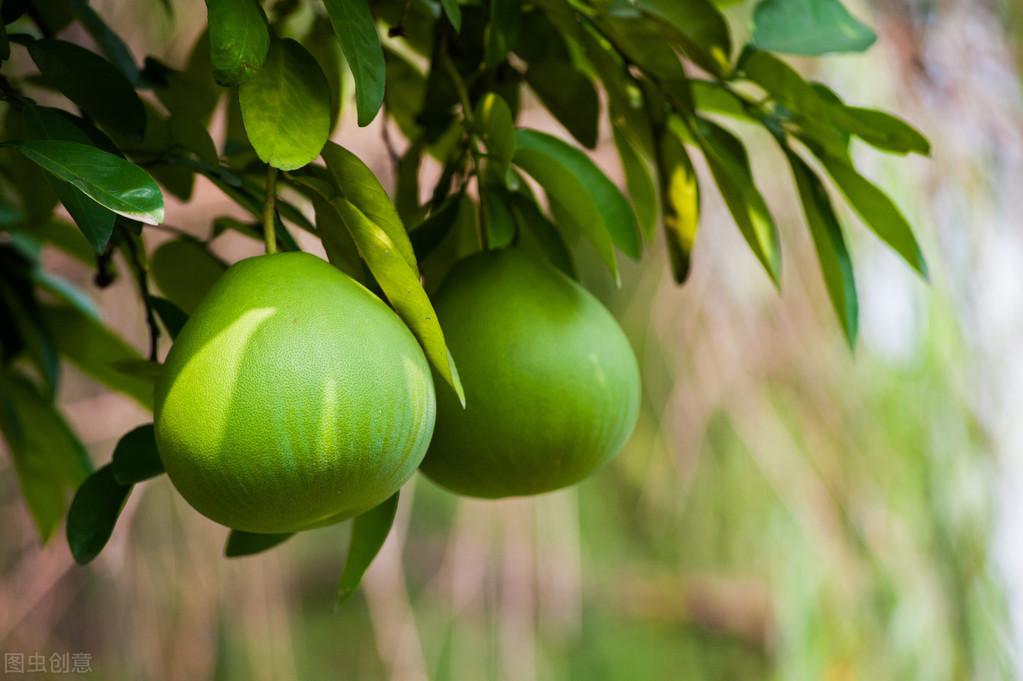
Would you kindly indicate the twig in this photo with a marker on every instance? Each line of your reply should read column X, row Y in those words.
column 270, row 210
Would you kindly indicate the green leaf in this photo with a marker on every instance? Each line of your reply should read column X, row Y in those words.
column 194, row 137
column 369, row 531
column 831, row 250
column 729, row 164
column 502, row 30
column 570, row 97
column 497, row 129
column 108, row 42
column 884, row 131
column 93, row 514
column 638, row 179
column 544, row 234
column 95, row 221
column 111, row 181
column 90, row 346
column 877, row 210
column 185, row 270
column 715, row 98
column 571, row 179
column 240, row 543
column 48, row 459
column 142, row 369
column 239, row 39
column 809, row 27
column 453, row 12
column 357, row 33
column 337, row 242
column 698, row 27
column 496, row 218
column 92, row 83
column 135, row 457
column 785, row 85
column 400, row 283
column 286, row 107
column 681, row 194
column 354, row 181
column 172, row 316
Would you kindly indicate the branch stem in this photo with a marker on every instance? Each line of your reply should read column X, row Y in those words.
column 270, row 211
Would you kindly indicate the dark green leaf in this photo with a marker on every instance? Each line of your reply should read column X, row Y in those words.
column 142, row 369
column 884, row 131
column 809, row 27
column 109, row 42
column 48, row 459
column 681, row 198
column 453, row 12
column 729, row 164
column 185, row 270
column 496, row 218
column 569, row 95
column 93, row 514
column 542, row 233
column 92, row 83
column 698, row 26
column 369, row 531
column 135, row 457
column 432, row 231
column 406, row 191
column 239, row 39
column 502, row 30
column 194, row 137
column 95, row 221
column 324, row 47
column 357, row 34
column 354, row 181
column 95, row 350
column 639, row 179
column 111, row 181
column 831, row 251
column 172, row 316
column 241, row 543
column 286, row 107
column 337, row 242
column 877, row 210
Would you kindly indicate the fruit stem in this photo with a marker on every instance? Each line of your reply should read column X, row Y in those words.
column 269, row 210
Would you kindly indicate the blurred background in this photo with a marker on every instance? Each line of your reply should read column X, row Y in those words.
column 785, row 509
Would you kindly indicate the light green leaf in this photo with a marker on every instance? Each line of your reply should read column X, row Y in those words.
column 93, row 514
column 809, row 27
column 111, row 181
column 400, row 283
column 884, row 131
column 369, row 531
column 241, row 543
column 286, row 107
column 354, row 181
column 48, row 459
column 185, row 270
column 681, row 198
column 239, row 39
column 91, row 82
column 832, row 254
column 95, row 350
column 135, row 457
column 357, row 33
column 729, row 164
column 497, row 129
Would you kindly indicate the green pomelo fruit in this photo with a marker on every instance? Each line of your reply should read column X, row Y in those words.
column 551, row 384
column 293, row 397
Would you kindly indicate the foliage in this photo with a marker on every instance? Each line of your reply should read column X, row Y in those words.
column 662, row 75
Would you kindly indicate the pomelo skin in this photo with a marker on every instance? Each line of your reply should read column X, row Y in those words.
column 551, row 384
column 293, row 397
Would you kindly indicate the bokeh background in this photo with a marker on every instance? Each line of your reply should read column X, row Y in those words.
column 785, row 510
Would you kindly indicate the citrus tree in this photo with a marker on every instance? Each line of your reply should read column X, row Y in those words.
column 299, row 393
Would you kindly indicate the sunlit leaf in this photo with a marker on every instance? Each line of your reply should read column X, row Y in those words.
column 369, row 531
column 286, row 107
column 681, row 201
